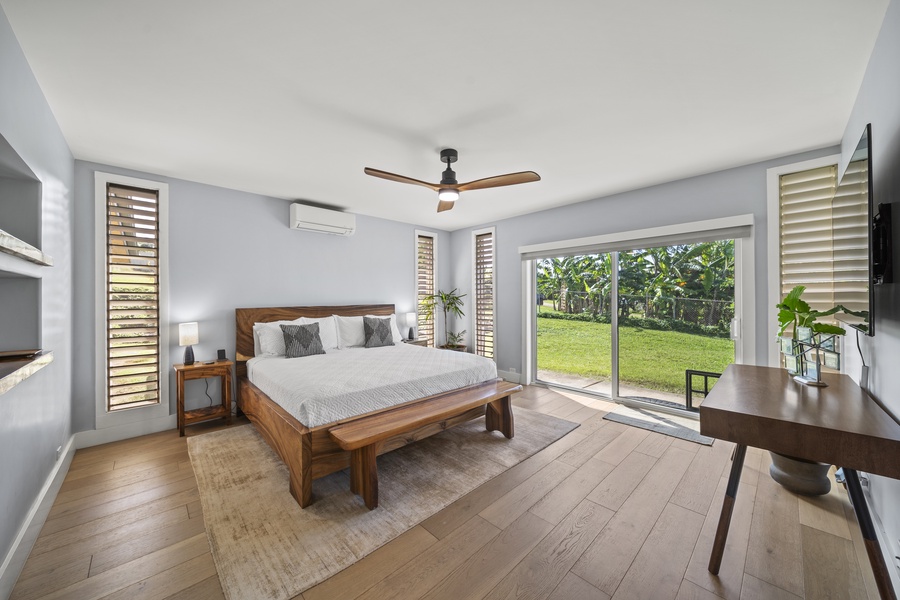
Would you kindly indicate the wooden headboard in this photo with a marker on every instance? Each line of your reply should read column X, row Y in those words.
column 245, row 318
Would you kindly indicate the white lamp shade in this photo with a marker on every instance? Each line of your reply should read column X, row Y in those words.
column 411, row 319
column 188, row 334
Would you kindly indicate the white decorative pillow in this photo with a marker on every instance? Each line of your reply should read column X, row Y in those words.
column 350, row 331
column 270, row 338
column 327, row 330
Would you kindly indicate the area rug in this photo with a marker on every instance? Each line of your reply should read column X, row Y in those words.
column 266, row 547
column 684, row 428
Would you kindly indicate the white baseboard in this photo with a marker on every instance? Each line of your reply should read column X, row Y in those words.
column 884, row 543
column 510, row 376
column 95, row 437
column 34, row 521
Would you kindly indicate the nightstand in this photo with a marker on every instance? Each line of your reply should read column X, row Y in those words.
column 417, row 342
column 199, row 370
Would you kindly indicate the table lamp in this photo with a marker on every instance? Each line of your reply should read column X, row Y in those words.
column 411, row 322
column 188, row 334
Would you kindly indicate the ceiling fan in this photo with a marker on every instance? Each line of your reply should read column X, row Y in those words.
column 448, row 189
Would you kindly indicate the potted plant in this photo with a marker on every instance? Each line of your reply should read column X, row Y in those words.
column 812, row 344
column 793, row 310
column 808, row 337
column 450, row 302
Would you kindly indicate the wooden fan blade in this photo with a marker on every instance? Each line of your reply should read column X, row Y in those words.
column 400, row 178
column 500, row 180
column 445, row 205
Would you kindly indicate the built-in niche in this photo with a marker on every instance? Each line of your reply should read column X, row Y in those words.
column 20, row 198
column 20, row 319
column 22, row 264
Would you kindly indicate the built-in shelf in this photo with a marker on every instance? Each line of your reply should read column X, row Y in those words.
column 15, row 371
column 23, row 266
column 9, row 244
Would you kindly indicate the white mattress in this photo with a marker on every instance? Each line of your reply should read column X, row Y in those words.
column 324, row 388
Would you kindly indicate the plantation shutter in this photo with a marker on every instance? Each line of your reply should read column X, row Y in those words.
column 425, row 285
column 484, row 294
column 851, row 238
column 824, row 237
column 132, row 292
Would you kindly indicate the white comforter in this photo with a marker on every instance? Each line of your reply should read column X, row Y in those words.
column 324, row 388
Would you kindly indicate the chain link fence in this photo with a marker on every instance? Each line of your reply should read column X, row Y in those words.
column 699, row 311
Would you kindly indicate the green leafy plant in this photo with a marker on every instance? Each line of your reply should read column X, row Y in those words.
column 456, row 339
column 793, row 310
column 450, row 303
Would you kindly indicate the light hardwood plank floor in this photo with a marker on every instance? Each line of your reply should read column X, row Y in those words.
column 607, row 512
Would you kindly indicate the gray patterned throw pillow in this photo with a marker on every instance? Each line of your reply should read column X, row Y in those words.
column 302, row 340
column 378, row 332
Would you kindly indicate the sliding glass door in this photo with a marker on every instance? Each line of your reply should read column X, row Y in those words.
column 676, row 304
column 574, row 304
column 631, row 324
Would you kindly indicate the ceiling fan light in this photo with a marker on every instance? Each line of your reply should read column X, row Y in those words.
column 448, row 194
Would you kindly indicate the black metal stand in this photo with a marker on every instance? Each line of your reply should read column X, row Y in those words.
column 689, row 390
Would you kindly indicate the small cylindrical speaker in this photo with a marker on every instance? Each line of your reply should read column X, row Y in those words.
column 222, row 354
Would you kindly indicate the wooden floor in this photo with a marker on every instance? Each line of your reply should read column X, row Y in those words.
column 607, row 512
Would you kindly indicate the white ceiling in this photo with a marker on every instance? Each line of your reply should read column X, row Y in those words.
column 293, row 99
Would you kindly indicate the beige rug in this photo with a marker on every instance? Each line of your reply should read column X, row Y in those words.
column 265, row 546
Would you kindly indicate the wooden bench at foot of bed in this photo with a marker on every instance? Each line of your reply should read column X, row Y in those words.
column 365, row 438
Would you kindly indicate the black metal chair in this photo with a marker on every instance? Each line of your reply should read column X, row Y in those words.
column 689, row 390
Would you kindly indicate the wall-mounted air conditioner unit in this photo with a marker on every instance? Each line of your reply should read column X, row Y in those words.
column 322, row 220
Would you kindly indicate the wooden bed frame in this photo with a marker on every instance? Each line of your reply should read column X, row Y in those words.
column 311, row 452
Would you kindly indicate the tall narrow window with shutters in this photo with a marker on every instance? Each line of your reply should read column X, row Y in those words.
column 485, row 291
column 132, row 311
column 824, row 237
column 132, row 300
column 426, row 277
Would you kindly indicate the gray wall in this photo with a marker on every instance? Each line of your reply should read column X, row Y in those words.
column 725, row 193
column 230, row 249
column 36, row 415
column 878, row 103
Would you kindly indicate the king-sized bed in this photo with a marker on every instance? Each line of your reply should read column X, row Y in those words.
column 297, row 404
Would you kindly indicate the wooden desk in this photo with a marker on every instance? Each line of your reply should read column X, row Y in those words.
column 199, row 370
column 840, row 424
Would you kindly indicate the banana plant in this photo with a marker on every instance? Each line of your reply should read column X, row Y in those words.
column 793, row 310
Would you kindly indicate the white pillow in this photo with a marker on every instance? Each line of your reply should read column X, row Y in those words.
column 395, row 331
column 351, row 331
column 327, row 330
column 256, row 327
column 270, row 338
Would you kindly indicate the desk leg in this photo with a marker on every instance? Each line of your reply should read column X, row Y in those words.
column 715, row 558
column 876, row 558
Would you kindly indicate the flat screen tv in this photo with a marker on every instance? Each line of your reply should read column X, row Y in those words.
column 858, row 178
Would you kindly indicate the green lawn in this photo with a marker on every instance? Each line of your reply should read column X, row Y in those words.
column 647, row 358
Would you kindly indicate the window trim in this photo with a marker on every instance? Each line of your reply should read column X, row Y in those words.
column 104, row 417
column 773, row 234
column 434, row 269
column 475, row 234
